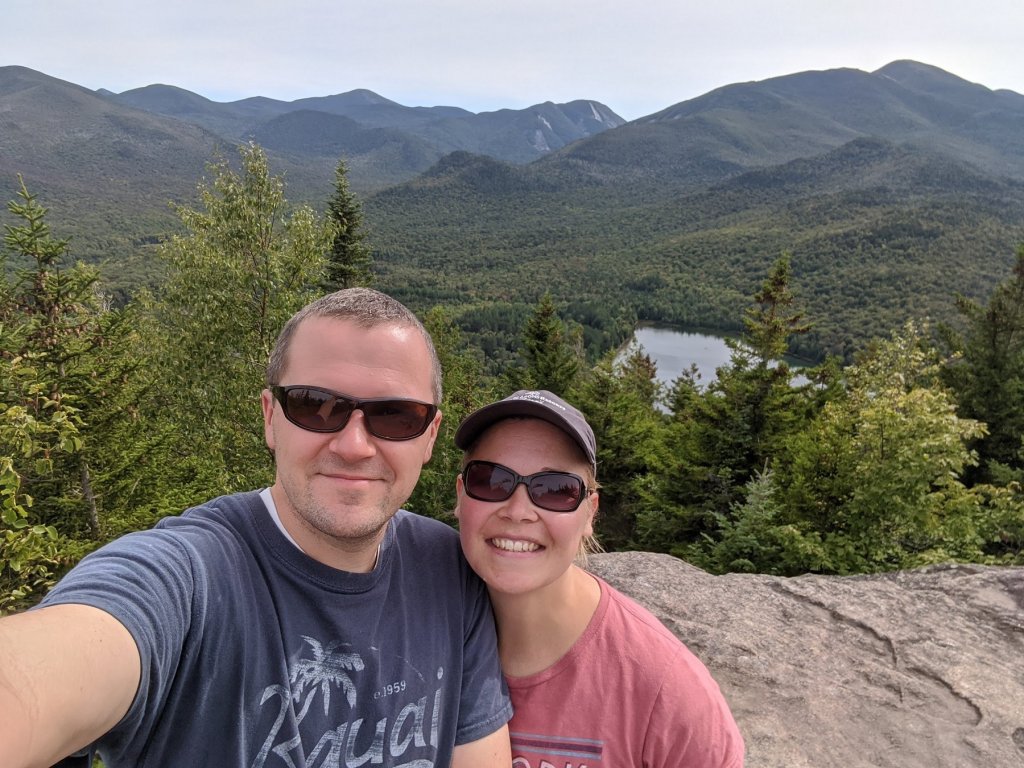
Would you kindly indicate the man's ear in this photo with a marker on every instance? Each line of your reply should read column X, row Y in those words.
column 267, row 405
column 432, row 432
column 458, row 495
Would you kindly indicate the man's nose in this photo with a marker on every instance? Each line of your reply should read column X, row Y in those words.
column 354, row 440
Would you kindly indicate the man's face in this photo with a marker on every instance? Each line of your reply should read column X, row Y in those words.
column 336, row 491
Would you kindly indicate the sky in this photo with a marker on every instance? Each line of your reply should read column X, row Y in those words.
column 635, row 56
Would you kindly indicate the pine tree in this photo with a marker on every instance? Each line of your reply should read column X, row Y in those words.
column 56, row 318
column 774, row 319
column 620, row 400
column 552, row 351
column 989, row 377
column 63, row 354
column 349, row 260
column 751, row 407
column 738, row 427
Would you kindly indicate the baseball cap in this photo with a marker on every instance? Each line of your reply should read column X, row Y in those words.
column 533, row 403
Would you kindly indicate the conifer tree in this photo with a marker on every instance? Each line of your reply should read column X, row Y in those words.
column 620, row 400
column 737, row 428
column 774, row 318
column 349, row 260
column 63, row 355
column 551, row 350
column 78, row 344
column 989, row 379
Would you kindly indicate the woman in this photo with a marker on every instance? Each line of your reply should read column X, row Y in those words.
column 596, row 680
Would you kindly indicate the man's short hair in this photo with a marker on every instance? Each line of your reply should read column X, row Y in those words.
column 364, row 307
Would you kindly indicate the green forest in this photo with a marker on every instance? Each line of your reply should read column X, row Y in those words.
column 877, row 234
column 905, row 452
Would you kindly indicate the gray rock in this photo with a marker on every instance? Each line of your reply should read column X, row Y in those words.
column 915, row 668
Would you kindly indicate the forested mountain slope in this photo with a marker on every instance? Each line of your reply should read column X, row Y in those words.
column 893, row 190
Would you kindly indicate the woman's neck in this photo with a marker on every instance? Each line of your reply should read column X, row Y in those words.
column 538, row 628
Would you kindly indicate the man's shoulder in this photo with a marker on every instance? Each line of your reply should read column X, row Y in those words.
column 430, row 546
column 229, row 508
column 413, row 524
column 234, row 513
column 202, row 530
column 181, row 537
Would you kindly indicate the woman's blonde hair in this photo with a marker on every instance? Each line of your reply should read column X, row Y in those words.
column 589, row 545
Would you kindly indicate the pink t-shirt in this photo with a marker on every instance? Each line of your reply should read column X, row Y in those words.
column 628, row 694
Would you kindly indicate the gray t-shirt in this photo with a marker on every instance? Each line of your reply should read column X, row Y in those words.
column 254, row 655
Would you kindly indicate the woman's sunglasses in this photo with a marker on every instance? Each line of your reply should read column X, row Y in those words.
column 321, row 410
column 553, row 491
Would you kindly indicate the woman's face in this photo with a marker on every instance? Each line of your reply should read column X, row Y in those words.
column 514, row 545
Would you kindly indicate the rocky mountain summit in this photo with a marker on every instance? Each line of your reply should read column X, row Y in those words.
column 915, row 669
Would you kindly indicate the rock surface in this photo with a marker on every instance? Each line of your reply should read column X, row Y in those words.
column 912, row 669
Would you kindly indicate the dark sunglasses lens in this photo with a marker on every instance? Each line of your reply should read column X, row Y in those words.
column 397, row 419
column 487, row 482
column 553, row 491
column 315, row 410
column 556, row 491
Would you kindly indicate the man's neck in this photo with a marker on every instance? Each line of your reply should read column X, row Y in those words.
column 359, row 556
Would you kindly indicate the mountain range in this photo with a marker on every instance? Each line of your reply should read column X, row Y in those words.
column 384, row 142
column 893, row 190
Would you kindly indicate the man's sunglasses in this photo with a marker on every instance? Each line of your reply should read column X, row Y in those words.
column 321, row 410
column 553, row 491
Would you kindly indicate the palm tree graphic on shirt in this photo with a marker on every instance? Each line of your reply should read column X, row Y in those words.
column 326, row 669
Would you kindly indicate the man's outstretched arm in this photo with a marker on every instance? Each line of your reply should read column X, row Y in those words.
column 68, row 674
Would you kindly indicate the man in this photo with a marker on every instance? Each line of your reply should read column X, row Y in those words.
column 311, row 624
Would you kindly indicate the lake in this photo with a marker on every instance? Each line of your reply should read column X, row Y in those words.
column 674, row 351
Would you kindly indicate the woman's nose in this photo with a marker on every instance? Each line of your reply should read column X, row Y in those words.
column 519, row 506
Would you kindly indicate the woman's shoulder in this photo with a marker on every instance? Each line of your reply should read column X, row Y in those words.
column 642, row 637
column 645, row 642
column 634, row 617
